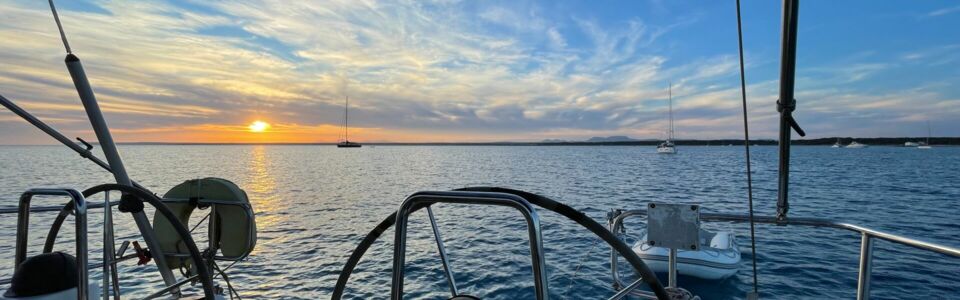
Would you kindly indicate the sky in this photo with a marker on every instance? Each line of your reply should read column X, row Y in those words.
column 459, row 71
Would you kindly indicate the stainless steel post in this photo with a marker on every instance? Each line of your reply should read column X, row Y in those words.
column 80, row 215
column 627, row 290
column 443, row 253
column 672, row 268
column 866, row 259
column 109, row 249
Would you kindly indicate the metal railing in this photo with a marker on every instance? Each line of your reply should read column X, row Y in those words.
column 867, row 236
column 80, row 214
column 49, row 208
column 426, row 199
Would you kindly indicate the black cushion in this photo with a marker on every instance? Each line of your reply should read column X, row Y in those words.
column 43, row 274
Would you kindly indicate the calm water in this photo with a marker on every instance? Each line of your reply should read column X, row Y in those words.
column 314, row 204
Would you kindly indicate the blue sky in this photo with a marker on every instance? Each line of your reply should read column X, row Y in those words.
column 448, row 70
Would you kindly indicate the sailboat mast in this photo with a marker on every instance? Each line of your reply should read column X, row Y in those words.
column 928, row 132
column 109, row 148
column 346, row 119
column 670, row 93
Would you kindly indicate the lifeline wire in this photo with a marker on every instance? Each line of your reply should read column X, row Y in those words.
column 746, row 147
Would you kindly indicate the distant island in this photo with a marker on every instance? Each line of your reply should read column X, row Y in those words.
column 620, row 140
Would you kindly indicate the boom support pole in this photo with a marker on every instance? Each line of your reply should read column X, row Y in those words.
column 109, row 148
column 786, row 103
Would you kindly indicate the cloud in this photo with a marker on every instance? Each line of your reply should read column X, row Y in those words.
column 414, row 70
column 944, row 11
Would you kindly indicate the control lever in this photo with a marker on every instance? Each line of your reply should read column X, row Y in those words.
column 85, row 144
column 790, row 107
column 123, row 248
column 143, row 254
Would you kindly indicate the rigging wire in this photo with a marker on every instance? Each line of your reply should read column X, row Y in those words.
column 580, row 265
column 746, row 147
column 63, row 36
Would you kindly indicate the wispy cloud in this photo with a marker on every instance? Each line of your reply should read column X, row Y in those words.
column 414, row 70
column 944, row 11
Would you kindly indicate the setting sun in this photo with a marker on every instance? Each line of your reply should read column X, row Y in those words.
column 258, row 126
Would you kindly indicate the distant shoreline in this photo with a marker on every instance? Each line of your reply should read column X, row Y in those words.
column 899, row 141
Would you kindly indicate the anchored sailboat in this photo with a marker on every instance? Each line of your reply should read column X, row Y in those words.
column 346, row 143
column 926, row 145
column 855, row 145
column 667, row 147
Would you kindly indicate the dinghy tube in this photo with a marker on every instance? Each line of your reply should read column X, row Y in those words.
column 717, row 258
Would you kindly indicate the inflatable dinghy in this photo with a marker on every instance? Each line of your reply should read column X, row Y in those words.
column 718, row 257
column 232, row 230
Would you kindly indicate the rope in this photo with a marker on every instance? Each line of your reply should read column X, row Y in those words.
column 199, row 223
column 580, row 264
column 746, row 147
column 230, row 288
column 576, row 271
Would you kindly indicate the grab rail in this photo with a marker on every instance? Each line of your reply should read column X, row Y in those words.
column 80, row 212
column 867, row 235
column 426, row 199
column 51, row 208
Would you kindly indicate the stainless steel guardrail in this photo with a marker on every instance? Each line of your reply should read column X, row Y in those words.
column 80, row 214
column 422, row 199
column 867, row 236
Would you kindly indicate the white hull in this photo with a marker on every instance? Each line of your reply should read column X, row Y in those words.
column 719, row 261
column 855, row 145
column 924, row 147
column 667, row 150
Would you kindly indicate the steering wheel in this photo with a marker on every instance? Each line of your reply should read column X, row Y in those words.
column 546, row 203
column 203, row 273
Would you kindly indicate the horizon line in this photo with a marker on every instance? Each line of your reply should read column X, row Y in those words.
column 546, row 142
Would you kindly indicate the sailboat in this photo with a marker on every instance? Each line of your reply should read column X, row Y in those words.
column 855, row 145
column 926, row 145
column 837, row 144
column 667, row 147
column 346, row 143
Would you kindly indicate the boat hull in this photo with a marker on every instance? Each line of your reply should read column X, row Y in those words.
column 666, row 150
column 711, row 263
column 855, row 145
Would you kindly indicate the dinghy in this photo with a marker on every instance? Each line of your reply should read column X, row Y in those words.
column 717, row 258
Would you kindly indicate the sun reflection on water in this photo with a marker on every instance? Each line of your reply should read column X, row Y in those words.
column 261, row 188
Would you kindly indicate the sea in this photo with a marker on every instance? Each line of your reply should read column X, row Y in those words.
column 315, row 203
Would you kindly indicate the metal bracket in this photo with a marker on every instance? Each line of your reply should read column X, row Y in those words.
column 675, row 226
